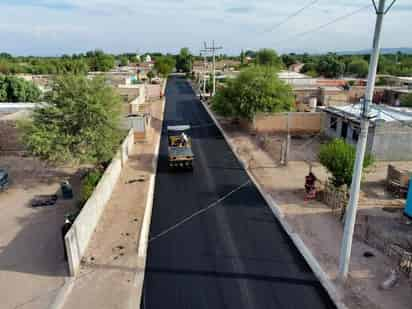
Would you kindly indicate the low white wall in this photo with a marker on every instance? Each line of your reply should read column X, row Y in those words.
column 78, row 237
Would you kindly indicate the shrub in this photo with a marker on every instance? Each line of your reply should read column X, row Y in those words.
column 88, row 184
column 339, row 159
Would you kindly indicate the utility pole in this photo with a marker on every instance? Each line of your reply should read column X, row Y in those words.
column 213, row 49
column 350, row 217
column 204, row 51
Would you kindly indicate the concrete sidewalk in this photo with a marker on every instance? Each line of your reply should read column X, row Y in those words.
column 107, row 277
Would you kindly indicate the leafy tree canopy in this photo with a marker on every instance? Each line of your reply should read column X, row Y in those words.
column 164, row 65
column 358, row 67
column 339, row 158
column 15, row 89
column 80, row 122
column 407, row 100
column 184, row 61
column 268, row 57
column 256, row 89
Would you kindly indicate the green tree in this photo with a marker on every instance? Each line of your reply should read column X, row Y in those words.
column 339, row 158
column 330, row 67
column 184, row 61
column 150, row 75
column 358, row 67
column 15, row 89
column 288, row 60
column 256, row 89
column 124, row 61
column 407, row 100
column 242, row 57
column 164, row 65
column 79, row 123
column 268, row 57
column 99, row 61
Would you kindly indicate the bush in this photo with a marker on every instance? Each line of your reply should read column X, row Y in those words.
column 89, row 183
column 339, row 159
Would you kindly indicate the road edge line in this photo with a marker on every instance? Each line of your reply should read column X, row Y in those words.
column 277, row 212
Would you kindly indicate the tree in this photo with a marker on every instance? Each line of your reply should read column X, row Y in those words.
column 256, row 89
column 79, row 123
column 339, row 158
column 268, row 57
column 242, row 57
column 330, row 67
column 150, row 75
column 358, row 67
column 14, row 89
column 99, row 61
column 164, row 65
column 184, row 61
column 407, row 100
column 124, row 61
column 288, row 60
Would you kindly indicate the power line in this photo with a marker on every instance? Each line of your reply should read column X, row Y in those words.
column 291, row 16
column 320, row 27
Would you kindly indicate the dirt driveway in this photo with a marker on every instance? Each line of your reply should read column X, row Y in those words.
column 32, row 265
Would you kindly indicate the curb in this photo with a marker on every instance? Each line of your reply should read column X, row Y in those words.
column 64, row 291
column 297, row 241
column 147, row 217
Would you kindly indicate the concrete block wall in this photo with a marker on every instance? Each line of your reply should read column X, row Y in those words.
column 392, row 141
column 298, row 123
column 78, row 237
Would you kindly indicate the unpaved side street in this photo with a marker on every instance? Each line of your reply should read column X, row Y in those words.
column 107, row 275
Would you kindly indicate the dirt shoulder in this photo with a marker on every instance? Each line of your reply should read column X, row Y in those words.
column 108, row 270
column 317, row 226
column 32, row 265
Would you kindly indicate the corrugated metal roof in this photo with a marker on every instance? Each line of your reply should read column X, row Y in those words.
column 377, row 112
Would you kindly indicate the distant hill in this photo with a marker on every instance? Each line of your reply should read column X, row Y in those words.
column 404, row 50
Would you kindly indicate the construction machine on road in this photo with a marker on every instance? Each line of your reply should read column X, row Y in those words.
column 180, row 154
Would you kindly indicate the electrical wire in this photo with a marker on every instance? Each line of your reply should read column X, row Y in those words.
column 291, row 16
column 320, row 27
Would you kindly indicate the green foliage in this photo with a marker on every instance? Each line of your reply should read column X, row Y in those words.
column 339, row 159
column 150, row 75
column 268, row 57
column 256, row 89
column 288, row 60
column 80, row 122
column 406, row 100
column 330, row 67
column 358, row 67
column 164, row 65
column 184, row 61
column 99, row 61
column 14, row 89
column 89, row 183
column 124, row 61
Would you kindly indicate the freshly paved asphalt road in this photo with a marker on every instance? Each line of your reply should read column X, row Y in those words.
column 205, row 254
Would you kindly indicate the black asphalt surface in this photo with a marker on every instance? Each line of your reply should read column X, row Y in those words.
column 206, row 254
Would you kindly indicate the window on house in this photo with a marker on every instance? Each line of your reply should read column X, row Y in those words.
column 333, row 123
column 355, row 134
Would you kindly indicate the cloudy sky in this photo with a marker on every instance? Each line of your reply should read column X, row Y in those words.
column 53, row 27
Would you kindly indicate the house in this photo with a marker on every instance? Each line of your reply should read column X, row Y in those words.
column 390, row 132
column 393, row 95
